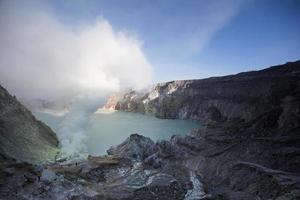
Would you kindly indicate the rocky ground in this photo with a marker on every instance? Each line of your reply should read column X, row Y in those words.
column 109, row 177
column 247, row 148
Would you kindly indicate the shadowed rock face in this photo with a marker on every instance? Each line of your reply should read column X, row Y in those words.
column 22, row 137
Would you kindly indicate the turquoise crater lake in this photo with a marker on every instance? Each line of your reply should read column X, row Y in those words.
column 105, row 129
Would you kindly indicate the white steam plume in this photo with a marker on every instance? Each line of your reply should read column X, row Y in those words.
column 72, row 130
column 40, row 57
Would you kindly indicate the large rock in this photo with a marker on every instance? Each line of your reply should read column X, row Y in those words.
column 136, row 147
column 22, row 137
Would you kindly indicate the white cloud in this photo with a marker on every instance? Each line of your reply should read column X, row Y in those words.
column 216, row 16
column 40, row 57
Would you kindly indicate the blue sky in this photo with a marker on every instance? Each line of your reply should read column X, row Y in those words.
column 193, row 39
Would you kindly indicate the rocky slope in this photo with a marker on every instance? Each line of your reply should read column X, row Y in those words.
column 22, row 137
column 249, row 146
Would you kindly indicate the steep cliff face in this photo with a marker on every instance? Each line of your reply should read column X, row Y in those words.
column 22, row 137
column 243, row 96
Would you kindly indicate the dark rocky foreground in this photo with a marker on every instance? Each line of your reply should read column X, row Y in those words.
column 248, row 147
column 100, row 178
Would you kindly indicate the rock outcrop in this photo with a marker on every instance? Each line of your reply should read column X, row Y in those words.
column 22, row 137
column 136, row 147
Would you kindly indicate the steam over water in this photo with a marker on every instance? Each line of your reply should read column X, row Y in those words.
column 105, row 129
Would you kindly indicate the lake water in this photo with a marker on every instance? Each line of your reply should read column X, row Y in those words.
column 106, row 129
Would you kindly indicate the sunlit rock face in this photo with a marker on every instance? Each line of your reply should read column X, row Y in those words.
column 22, row 137
column 243, row 96
column 113, row 100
